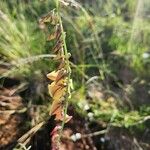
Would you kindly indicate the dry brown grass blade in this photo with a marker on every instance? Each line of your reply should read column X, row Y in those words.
column 9, row 104
column 27, row 136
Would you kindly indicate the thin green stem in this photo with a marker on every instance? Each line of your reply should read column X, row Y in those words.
column 69, row 74
column 67, row 67
column 57, row 5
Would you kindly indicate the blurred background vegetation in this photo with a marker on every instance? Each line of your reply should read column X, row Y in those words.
column 110, row 48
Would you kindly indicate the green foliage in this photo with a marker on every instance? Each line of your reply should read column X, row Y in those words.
column 103, row 37
column 109, row 112
column 22, row 41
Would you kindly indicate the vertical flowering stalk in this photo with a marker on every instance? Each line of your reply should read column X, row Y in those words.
column 59, row 88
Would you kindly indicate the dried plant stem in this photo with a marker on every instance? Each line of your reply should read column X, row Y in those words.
column 23, row 61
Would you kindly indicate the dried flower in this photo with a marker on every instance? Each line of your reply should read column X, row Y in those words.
column 59, row 88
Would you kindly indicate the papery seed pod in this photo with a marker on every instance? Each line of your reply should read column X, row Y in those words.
column 55, row 89
column 61, row 92
column 62, row 74
column 62, row 81
column 49, row 18
column 57, row 110
column 60, row 55
column 56, row 35
column 62, row 63
column 53, row 75
column 57, row 75
column 51, row 37
column 58, row 32
column 52, row 88
column 58, row 46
